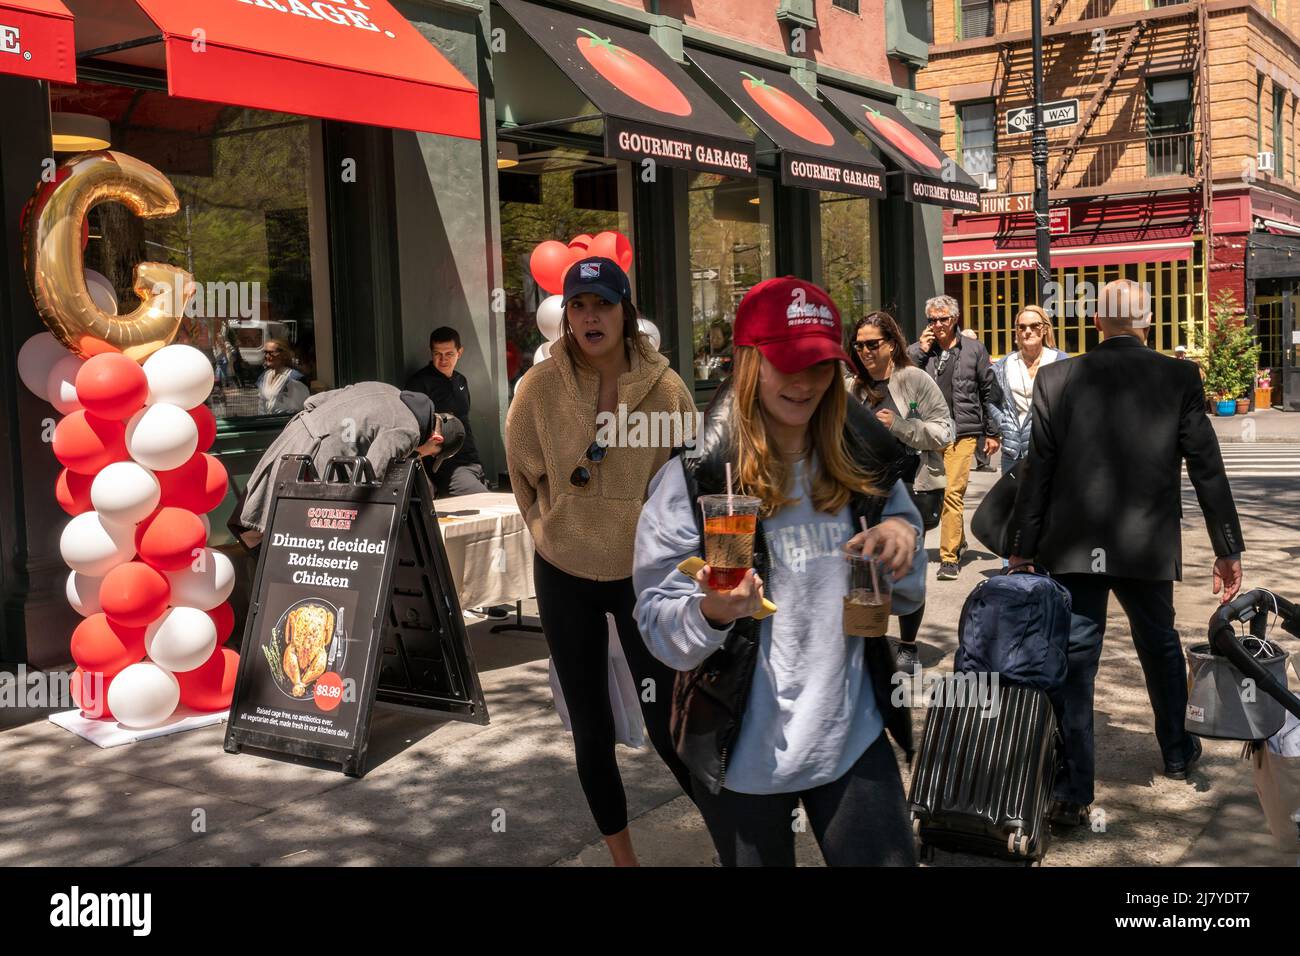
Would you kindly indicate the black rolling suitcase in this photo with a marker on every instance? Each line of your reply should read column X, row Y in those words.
column 983, row 778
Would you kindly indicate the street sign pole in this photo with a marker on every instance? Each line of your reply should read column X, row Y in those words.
column 1042, row 225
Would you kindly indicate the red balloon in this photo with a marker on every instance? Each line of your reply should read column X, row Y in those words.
column 207, row 425
column 198, row 485
column 105, row 646
column 223, row 616
column 549, row 261
column 86, row 443
column 90, row 691
column 134, row 594
column 579, row 244
column 211, row 685
column 612, row 245
column 72, row 491
column 169, row 538
column 112, row 386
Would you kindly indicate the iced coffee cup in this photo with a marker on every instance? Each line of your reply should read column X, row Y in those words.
column 867, row 601
column 729, row 525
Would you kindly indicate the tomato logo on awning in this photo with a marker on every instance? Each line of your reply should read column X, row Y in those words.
column 632, row 76
column 902, row 138
column 787, row 111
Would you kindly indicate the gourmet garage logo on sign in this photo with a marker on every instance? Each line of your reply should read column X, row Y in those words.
column 344, row 13
column 681, row 148
column 10, row 42
column 829, row 174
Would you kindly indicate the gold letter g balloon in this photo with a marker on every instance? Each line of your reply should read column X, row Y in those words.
column 52, row 230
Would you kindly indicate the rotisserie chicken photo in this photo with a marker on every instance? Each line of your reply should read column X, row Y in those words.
column 308, row 630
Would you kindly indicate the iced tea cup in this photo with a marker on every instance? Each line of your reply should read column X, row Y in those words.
column 729, row 525
column 867, row 601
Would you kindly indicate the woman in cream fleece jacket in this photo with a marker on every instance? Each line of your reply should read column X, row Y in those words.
column 584, row 435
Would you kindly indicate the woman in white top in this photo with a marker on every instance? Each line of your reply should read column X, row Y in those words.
column 1015, row 372
column 281, row 389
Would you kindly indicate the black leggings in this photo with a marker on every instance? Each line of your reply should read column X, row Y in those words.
column 858, row 820
column 910, row 624
column 573, row 611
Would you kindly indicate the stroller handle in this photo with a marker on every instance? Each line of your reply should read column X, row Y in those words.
column 1253, row 607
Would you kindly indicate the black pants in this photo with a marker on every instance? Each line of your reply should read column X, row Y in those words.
column 573, row 611
column 1150, row 609
column 858, row 820
column 451, row 481
column 909, row 625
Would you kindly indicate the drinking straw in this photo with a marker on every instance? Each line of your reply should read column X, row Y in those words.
column 871, row 562
column 730, row 509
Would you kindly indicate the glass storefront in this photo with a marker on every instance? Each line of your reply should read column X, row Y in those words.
column 249, row 220
column 550, row 192
column 850, row 254
column 730, row 252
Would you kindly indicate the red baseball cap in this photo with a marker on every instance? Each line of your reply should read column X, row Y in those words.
column 792, row 322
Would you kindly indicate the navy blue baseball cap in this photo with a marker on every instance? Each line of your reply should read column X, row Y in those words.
column 598, row 275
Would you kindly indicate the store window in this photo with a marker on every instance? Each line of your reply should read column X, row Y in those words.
column 1169, row 126
column 550, row 192
column 976, row 19
column 977, row 142
column 850, row 254
column 249, row 223
column 730, row 252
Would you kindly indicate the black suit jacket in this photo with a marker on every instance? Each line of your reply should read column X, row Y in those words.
column 1101, row 485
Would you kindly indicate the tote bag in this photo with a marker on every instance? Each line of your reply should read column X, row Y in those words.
column 629, row 727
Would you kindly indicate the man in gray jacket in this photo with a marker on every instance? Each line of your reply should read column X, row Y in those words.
column 960, row 366
column 370, row 418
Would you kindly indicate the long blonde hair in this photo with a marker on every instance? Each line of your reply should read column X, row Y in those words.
column 764, row 474
column 1049, row 337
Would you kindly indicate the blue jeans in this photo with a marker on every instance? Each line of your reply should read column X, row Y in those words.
column 1149, row 606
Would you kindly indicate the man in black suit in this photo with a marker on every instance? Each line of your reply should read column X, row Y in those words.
column 1099, row 507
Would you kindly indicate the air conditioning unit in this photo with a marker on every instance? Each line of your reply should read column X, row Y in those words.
column 988, row 181
column 1264, row 162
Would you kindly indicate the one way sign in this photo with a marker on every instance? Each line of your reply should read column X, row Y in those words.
column 1056, row 113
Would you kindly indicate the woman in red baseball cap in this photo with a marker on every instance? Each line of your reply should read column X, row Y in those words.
column 786, row 709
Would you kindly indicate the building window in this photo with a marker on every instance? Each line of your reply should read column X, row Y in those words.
column 730, row 252
column 1279, row 141
column 975, row 19
column 551, row 192
column 850, row 254
column 977, row 141
column 1259, row 112
column 1169, row 126
column 849, row 5
column 251, row 216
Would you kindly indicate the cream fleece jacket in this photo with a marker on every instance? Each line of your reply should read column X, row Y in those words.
column 588, row 532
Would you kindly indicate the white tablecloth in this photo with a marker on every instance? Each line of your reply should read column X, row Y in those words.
column 490, row 553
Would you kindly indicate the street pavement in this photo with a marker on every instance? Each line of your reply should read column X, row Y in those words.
column 443, row 792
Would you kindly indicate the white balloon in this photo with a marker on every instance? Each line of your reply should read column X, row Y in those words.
column 61, row 385
column 178, row 375
column 542, row 354
column 162, row 436
column 125, row 493
column 204, row 589
column 550, row 313
column 83, row 593
column 651, row 330
column 101, row 292
column 180, row 640
column 93, row 546
column 143, row 695
column 35, row 360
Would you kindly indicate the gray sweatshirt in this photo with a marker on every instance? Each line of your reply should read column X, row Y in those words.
column 811, row 712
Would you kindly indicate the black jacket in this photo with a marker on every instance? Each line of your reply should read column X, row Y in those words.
column 449, row 395
column 1101, row 486
column 709, row 702
column 973, row 384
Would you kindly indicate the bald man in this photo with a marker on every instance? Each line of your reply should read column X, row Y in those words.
column 1100, row 508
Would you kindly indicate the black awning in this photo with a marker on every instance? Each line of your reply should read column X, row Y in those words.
column 816, row 150
column 651, row 107
column 928, row 175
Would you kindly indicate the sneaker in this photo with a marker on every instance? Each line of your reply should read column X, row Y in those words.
column 948, row 571
column 905, row 658
column 1178, row 771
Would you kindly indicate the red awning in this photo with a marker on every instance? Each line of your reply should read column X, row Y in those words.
column 36, row 40
column 354, row 60
column 982, row 255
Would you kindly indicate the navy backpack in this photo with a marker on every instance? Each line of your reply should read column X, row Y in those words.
column 1016, row 625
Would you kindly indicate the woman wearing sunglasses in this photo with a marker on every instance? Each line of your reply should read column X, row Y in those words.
column 1015, row 373
column 909, row 403
column 580, row 492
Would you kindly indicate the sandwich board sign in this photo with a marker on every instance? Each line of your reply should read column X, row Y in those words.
column 353, row 603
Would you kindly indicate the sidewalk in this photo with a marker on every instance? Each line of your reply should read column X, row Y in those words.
column 1269, row 424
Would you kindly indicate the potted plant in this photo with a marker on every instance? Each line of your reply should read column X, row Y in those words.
column 1231, row 355
column 1264, row 388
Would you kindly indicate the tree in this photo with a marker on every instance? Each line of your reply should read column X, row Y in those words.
column 1232, row 352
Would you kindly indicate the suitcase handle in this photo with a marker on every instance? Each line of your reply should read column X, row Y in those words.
column 1253, row 607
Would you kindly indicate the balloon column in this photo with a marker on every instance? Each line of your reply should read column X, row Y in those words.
column 551, row 261
column 137, row 477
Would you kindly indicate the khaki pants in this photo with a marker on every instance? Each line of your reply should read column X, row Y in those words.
column 952, row 522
